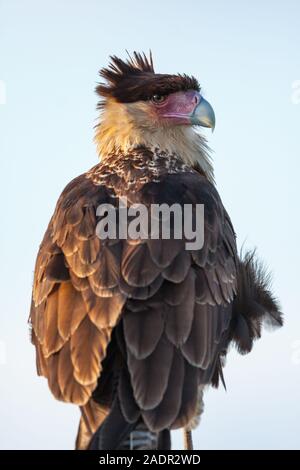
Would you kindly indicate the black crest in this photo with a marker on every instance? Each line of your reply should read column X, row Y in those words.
column 135, row 80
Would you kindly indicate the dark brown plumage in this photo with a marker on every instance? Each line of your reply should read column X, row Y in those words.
column 135, row 79
column 128, row 330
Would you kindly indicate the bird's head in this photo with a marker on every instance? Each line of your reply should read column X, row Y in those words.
column 139, row 106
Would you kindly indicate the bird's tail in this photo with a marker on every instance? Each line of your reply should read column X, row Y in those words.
column 254, row 306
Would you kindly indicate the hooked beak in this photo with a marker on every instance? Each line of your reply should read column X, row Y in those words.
column 204, row 115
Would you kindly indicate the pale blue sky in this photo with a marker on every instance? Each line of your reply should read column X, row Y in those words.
column 246, row 56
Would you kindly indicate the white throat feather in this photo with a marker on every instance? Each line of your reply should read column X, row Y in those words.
column 122, row 127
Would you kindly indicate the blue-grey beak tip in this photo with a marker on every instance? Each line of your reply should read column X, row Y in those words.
column 204, row 115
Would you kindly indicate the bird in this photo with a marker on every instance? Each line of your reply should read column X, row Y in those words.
column 134, row 329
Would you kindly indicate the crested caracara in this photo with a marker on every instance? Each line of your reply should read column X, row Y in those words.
column 132, row 329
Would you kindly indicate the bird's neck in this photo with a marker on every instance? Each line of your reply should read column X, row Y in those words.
column 121, row 135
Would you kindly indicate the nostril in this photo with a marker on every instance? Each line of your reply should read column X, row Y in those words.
column 196, row 99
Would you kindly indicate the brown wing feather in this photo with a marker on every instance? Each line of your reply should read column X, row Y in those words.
column 138, row 268
column 150, row 376
column 71, row 310
column 143, row 330
column 88, row 347
column 180, row 317
column 52, row 339
column 71, row 323
column 71, row 389
column 166, row 412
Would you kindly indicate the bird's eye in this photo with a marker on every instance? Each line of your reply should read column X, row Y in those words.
column 157, row 99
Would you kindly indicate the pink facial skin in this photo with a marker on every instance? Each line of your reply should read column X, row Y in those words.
column 178, row 107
